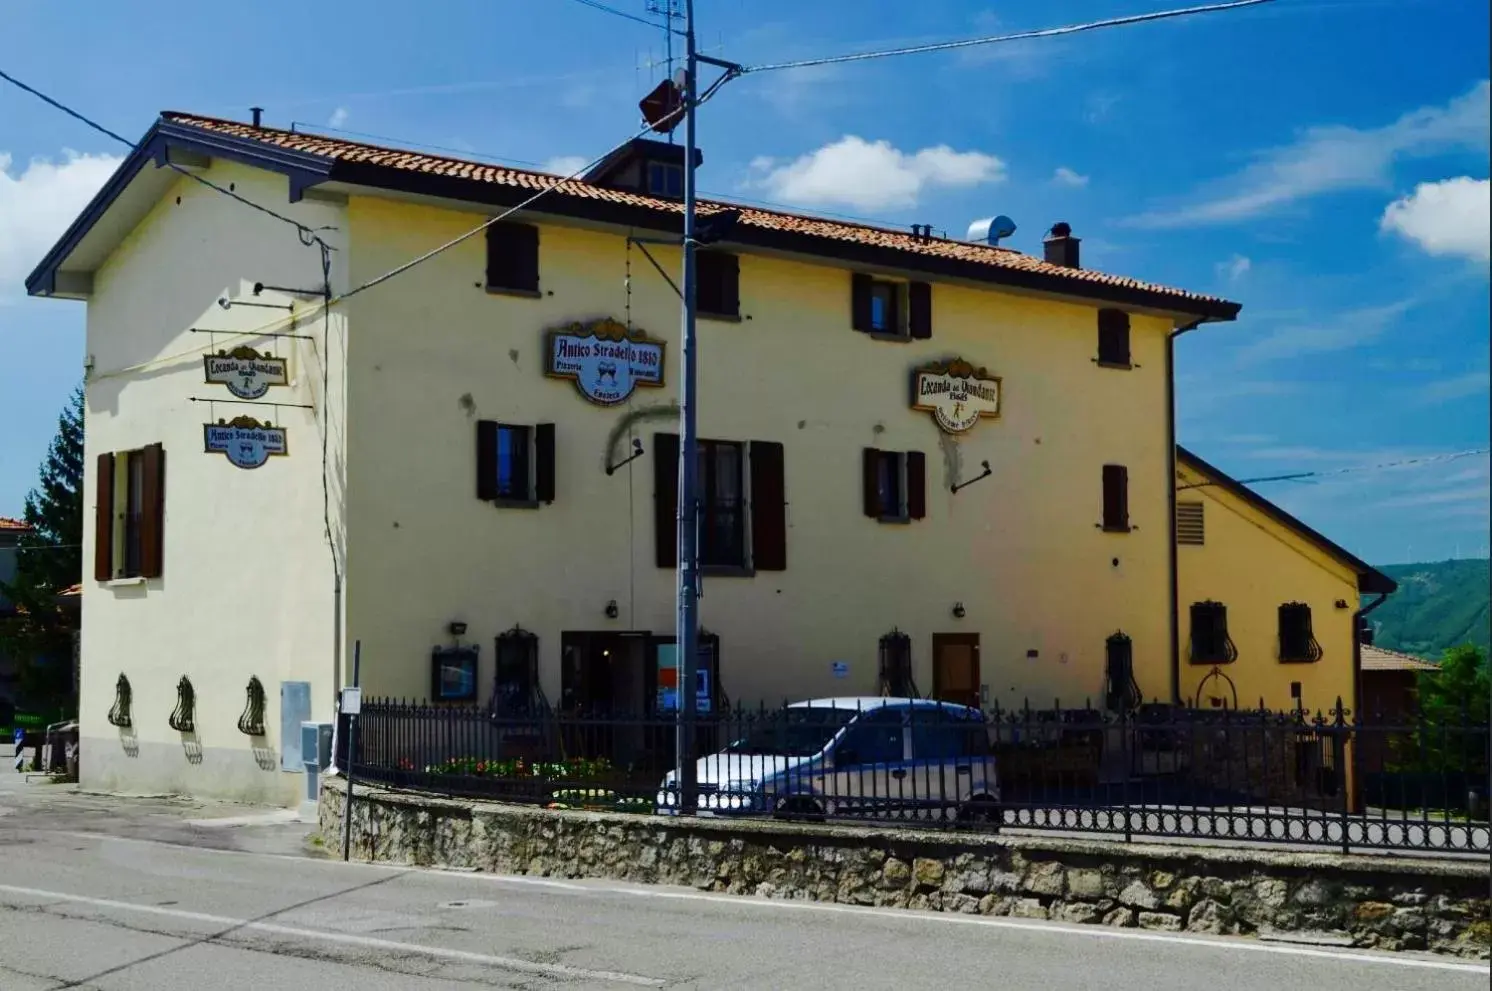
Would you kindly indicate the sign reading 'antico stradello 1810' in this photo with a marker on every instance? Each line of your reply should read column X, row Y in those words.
column 244, row 441
column 605, row 362
column 957, row 394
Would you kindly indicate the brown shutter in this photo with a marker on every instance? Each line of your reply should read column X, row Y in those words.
column 666, row 499
column 916, row 485
column 152, row 511
column 103, row 519
column 513, row 257
column 919, row 310
column 1115, row 497
column 487, row 459
column 768, row 507
column 860, row 286
column 1113, row 337
column 871, row 482
column 719, row 283
column 544, row 462
column 730, row 285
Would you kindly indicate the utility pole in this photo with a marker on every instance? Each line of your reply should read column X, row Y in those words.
column 687, row 636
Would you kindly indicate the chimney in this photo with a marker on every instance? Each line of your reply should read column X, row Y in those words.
column 1061, row 247
column 258, row 113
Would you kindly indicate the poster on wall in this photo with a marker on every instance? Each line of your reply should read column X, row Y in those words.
column 668, row 678
column 247, row 373
column 605, row 362
column 957, row 394
column 244, row 441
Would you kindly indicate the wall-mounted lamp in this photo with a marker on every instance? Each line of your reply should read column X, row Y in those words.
column 457, row 628
column 611, row 610
column 1341, row 603
column 958, row 610
column 636, row 453
column 964, row 485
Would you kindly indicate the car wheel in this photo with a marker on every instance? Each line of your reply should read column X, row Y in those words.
column 981, row 811
column 800, row 810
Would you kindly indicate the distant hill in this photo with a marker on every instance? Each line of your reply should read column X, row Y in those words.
column 1438, row 605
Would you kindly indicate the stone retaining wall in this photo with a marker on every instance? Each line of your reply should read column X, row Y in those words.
column 1375, row 901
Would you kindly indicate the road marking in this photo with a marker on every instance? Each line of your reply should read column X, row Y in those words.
column 368, row 942
column 748, row 901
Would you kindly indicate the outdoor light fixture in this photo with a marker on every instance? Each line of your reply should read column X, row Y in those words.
column 636, row 453
column 963, row 485
column 457, row 628
column 958, row 610
column 612, row 610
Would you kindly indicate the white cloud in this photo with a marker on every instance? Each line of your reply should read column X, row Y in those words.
column 338, row 118
column 1455, row 387
column 566, row 164
column 37, row 205
column 1234, row 268
column 1067, row 177
column 1336, row 332
column 1335, row 157
column 1471, row 493
column 1452, row 217
column 869, row 175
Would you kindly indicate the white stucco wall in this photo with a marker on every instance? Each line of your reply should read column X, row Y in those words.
column 247, row 583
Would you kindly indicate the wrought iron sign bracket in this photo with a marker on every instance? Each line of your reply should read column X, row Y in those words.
column 637, row 452
column 988, row 471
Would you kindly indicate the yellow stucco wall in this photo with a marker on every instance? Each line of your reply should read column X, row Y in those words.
column 1253, row 564
column 432, row 353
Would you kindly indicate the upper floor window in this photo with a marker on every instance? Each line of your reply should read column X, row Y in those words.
column 1210, row 643
column 666, row 179
column 895, row 485
column 742, row 519
column 1116, row 499
column 1297, row 641
column 718, row 288
column 513, row 259
column 129, row 514
column 1113, row 338
column 515, row 464
column 891, row 308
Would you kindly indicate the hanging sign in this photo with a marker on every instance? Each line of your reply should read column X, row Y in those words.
column 247, row 373
column 956, row 393
column 244, row 441
column 603, row 360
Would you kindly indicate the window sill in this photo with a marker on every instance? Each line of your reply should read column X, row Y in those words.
column 1120, row 365
column 894, row 520
column 884, row 335
column 720, row 317
column 516, row 503
column 1208, row 662
column 1300, row 660
column 1115, row 529
column 504, row 291
column 125, row 582
column 726, row 571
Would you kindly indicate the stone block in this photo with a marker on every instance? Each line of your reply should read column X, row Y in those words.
column 1183, row 894
column 1136, row 895
column 1160, row 880
column 895, row 874
column 928, row 873
column 1082, row 912
column 1085, row 883
column 1160, row 920
column 1045, row 878
column 1028, row 908
column 1208, row 916
column 1120, row 917
column 1315, row 892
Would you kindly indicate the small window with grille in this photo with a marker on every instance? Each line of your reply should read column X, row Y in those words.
column 1297, row 642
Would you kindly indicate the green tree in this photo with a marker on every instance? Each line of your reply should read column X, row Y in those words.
column 1453, row 703
column 50, row 559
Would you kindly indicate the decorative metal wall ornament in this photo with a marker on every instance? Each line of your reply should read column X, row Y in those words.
column 251, row 723
column 605, row 359
column 119, row 713
column 247, row 373
column 956, row 393
column 184, row 716
column 245, row 441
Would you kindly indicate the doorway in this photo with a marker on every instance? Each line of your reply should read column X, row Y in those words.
column 956, row 668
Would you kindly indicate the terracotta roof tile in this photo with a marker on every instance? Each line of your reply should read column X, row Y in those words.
column 6, row 523
column 1379, row 659
column 834, row 230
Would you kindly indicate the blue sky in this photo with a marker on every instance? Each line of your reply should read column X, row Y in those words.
column 1325, row 162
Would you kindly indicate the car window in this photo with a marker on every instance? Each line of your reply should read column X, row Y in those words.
column 876, row 737
column 940, row 735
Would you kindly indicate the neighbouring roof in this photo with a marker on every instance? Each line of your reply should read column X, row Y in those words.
column 1379, row 659
column 1369, row 579
column 6, row 523
column 310, row 160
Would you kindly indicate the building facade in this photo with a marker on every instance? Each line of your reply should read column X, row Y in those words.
column 927, row 464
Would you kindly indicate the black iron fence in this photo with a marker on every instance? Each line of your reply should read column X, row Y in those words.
column 1161, row 771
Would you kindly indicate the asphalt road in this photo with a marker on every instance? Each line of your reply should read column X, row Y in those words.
column 101, row 893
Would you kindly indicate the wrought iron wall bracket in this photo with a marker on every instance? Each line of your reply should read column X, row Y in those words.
column 184, row 716
column 119, row 713
column 988, row 471
column 251, row 723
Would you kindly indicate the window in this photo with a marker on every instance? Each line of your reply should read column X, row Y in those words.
column 1116, row 499
column 941, row 735
column 513, row 259
column 129, row 514
column 453, row 674
column 742, row 520
column 896, row 666
column 515, row 681
column 666, row 179
column 515, row 464
column 718, row 292
column 896, row 309
column 1189, row 524
column 895, row 485
column 876, row 737
column 1113, row 338
column 1297, row 642
column 1210, row 643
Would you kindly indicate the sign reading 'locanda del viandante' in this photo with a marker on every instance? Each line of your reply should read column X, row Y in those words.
column 605, row 362
column 247, row 373
column 957, row 394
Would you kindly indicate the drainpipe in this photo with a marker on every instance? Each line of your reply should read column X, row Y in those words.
column 1171, row 503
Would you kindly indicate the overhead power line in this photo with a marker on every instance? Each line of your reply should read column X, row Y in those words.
column 1302, row 475
column 595, row 5
column 308, row 235
column 944, row 46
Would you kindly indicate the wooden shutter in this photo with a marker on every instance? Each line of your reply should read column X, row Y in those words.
column 870, row 477
column 666, row 499
column 860, row 289
column 768, row 507
column 103, row 519
column 153, row 511
column 513, row 257
column 719, row 283
column 1113, row 337
column 487, row 459
column 916, row 485
column 1115, row 497
column 919, row 310
column 544, row 462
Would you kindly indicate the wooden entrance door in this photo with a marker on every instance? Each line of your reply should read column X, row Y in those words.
column 956, row 668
